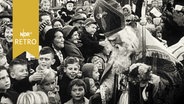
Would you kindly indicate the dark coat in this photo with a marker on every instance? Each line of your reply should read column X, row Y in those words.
column 12, row 95
column 172, row 33
column 64, row 85
column 72, row 50
column 68, row 15
column 22, row 85
column 90, row 45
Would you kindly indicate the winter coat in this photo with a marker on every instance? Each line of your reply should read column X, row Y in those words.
column 90, row 45
column 72, row 50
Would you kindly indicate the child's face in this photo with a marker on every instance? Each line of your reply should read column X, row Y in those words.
column 75, row 37
column 50, row 84
column 98, row 62
column 5, row 100
column 72, row 70
column 46, row 6
column 8, row 34
column 4, row 80
column 91, row 29
column 47, row 19
column 93, row 88
column 96, row 74
column 77, row 92
column 19, row 71
column 69, row 6
column 126, row 12
column 46, row 60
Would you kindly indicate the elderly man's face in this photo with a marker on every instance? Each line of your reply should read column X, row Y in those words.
column 123, row 45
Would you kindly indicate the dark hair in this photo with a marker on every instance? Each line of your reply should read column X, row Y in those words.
column 17, row 61
column 60, row 20
column 2, row 68
column 77, row 82
column 50, row 35
column 47, row 50
column 70, row 60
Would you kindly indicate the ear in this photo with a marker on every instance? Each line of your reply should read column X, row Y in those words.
column 12, row 74
column 53, row 61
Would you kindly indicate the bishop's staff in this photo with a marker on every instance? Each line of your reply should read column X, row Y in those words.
column 143, row 23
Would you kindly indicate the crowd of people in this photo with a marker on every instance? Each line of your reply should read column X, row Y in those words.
column 76, row 54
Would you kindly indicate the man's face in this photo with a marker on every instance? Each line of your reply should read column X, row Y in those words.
column 8, row 34
column 123, row 44
column 4, row 80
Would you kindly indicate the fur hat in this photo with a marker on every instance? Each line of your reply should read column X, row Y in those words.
column 87, row 70
column 68, row 31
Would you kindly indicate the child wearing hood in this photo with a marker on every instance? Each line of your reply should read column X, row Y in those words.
column 90, row 70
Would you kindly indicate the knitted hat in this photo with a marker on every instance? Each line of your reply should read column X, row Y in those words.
column 68, row 31
column 87, row 70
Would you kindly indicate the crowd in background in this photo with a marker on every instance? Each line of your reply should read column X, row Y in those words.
column 73, row 53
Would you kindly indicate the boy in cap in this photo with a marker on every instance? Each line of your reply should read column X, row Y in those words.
column 91, row 45
column 78, row 21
